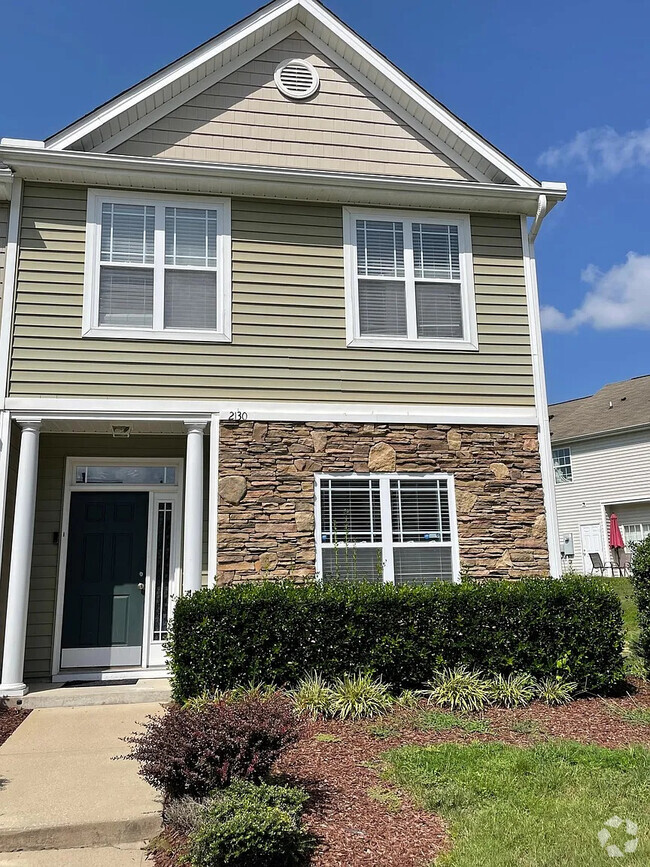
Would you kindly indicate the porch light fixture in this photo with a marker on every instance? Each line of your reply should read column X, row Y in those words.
column 121, row 431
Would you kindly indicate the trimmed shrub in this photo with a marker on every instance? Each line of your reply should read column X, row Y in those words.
column 641, row 584
column 190, row 752
column 252, row 826
column 278, row 632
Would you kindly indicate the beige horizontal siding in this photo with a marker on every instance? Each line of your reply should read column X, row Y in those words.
column 54, row 449
column 288, row 320
column 245, row 119
column 4, row 226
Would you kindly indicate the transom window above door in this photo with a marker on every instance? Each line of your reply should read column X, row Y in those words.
column 157, row 267
column 409, row 281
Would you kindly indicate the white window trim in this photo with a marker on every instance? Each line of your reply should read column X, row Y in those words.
column 90, row 320
column 468, row 343
column 384, row 493
column 561, row 479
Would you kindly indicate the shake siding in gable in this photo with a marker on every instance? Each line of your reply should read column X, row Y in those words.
column 245, row 119
column 288, row 320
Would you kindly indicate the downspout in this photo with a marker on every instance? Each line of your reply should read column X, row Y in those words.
column 542, row 210
column 541, row 403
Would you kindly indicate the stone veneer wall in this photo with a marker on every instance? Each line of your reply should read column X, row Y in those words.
column 266, row 491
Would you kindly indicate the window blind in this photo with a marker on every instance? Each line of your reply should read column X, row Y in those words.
column 350, row 511
column 127, row 233
column 382, row 308
column 435, row 251
column 190, row 299
column 380, row 248
column 126, row 297
column 422, row 565
column 439, row 310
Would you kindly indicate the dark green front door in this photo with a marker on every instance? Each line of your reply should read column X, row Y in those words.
column 107, row 552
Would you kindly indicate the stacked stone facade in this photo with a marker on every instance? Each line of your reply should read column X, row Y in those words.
column 266, row 491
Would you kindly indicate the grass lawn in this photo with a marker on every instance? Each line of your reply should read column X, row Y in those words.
column 539, row 806
column 623, row 588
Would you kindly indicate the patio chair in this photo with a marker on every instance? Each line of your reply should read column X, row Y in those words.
column 597, row 563
column 625, row 563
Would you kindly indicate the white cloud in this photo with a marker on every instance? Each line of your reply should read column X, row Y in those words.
column 601, row 152
column 618, row 298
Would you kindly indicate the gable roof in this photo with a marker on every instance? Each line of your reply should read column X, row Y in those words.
column 617, row 406
column 141, row 105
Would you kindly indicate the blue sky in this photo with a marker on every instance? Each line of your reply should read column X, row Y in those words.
column 567, row 82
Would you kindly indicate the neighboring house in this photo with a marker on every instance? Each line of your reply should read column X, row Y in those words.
column 601, row 452
column 272, row 312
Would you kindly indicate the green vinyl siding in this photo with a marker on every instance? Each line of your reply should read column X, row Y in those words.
column 288, row 320
column 54, row 449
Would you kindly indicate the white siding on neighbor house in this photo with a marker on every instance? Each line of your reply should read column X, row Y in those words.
column 611, row 471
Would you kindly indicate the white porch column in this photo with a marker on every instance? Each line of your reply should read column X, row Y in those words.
column 193, row 521
column 21, row 561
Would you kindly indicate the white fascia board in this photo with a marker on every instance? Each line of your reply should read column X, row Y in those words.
column 265, row 18
column 599, row 435
column 157, row 173
column 22, row 142
column 257, row 21
column 125, row 409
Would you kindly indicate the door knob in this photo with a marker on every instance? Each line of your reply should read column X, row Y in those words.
column 141, row 586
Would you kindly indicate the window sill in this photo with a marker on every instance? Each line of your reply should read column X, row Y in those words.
column 405, row 344
column 168, row 336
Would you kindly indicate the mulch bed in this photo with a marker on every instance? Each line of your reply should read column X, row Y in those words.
column 10, row 719
column 357, row 830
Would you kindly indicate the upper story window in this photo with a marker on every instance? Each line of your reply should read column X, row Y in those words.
column 409, row 281
column 562, row 464
column 157, row 266
column 399, row 529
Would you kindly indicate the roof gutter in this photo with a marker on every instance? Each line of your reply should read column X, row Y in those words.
column 80, row 167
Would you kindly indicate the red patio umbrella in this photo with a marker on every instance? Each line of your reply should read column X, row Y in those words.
column 615, row 537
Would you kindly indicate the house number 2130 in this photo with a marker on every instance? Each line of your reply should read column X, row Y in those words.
column 237, row 415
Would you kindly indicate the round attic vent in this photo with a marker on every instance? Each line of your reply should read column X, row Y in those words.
column 296, row 79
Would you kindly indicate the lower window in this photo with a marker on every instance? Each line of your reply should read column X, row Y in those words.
column 397, row 529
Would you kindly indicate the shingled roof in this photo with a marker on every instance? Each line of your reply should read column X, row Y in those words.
column 616, row 406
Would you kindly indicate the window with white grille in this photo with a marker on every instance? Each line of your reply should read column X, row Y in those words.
column 562, row 465
column 634, row 533
column 396, row 529
column 157, row 267
column 409, row 281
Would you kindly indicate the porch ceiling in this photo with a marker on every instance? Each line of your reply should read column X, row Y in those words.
column 157, row 427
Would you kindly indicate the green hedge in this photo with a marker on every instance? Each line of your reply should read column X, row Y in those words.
column 277, row 632
column 641, row 584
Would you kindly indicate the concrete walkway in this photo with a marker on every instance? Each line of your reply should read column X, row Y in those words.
column 145, row 691
column 61, row 789
column 126, row 855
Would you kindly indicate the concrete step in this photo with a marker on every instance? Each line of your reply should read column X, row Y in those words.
column 144, row 691
column 62, row 787
column 127, row 855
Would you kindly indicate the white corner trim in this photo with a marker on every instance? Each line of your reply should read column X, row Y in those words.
column 90, row 316
column 541, row 404
column 213, row 500
column 469, row 343
column 5, row 442
column 10, row 278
